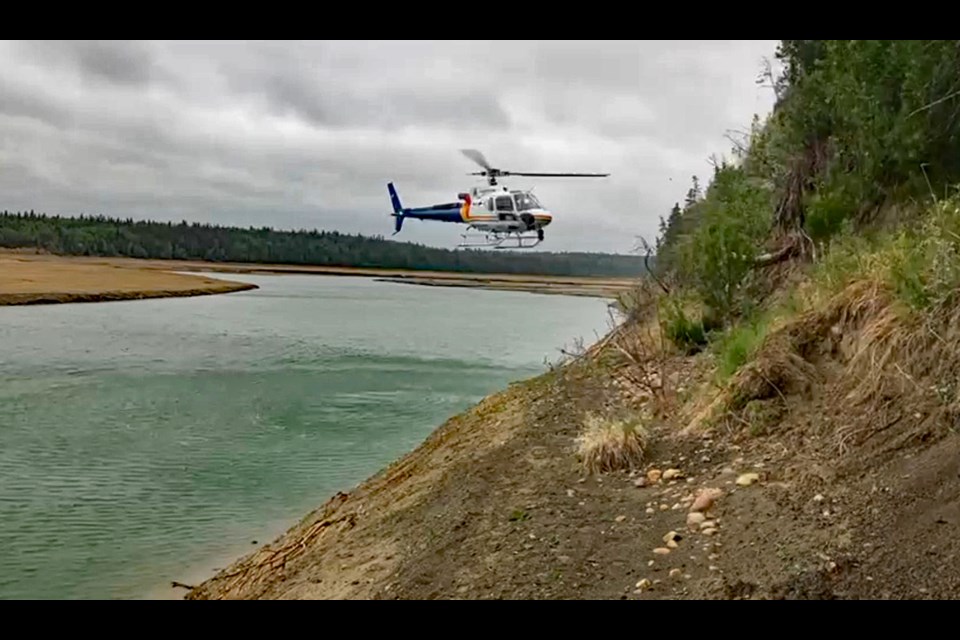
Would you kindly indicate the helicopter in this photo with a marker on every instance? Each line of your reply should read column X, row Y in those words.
column 494, row 212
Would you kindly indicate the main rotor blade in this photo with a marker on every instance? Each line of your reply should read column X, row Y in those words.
column 557, row 175
column 477, row 157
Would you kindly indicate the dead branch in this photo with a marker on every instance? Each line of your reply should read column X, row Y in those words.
column 934, row 103
column 769, row 259
column 180, row 585
column 646, row 263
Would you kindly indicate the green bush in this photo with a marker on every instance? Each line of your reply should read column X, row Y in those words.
column 733, row 218
column 685, row 332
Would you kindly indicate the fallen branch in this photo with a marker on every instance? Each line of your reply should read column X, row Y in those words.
column 181, row 585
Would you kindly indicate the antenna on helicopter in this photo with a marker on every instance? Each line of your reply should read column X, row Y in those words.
column 493, row 173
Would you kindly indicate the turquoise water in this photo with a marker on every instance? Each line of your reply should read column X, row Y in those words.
column 155, row 440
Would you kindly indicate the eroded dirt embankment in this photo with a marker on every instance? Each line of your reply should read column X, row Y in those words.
column 837, row 477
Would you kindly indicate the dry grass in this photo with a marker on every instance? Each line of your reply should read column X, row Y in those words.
column 611, row 444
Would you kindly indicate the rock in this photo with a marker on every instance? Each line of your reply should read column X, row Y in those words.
column 694, row 519
column 670, row 474
column 818, row 498
column 671, row 535
column 675, row 572
column 676, row 506
column 705, row 499
column 653, row 476
column 643, row 584
column 650, row 510
column 708, row 532
column 621, row 518
column 650, row 563
column 661, row 551
column 664, row 507
column 571, row 493
column 640, row 483
column 708, row 524
column 672, row 544
column 747, row 479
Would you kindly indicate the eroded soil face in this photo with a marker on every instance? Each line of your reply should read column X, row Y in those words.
column 495, row 505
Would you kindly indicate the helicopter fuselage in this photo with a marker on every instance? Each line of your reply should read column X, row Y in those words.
column 494, row 209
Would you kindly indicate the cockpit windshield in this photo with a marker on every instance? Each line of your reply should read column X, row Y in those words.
column 526, row 201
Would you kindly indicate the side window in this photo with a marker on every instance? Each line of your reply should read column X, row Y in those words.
column 489, row 204
column 505, row 203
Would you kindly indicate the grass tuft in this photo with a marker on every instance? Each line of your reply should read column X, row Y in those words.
column 611, row 445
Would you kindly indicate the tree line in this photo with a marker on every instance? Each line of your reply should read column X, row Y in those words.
column 113, row 237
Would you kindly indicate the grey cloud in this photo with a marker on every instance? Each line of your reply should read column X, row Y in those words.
column 306, row 134
column 119, row 62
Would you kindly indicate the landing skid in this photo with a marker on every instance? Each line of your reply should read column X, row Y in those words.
column 511, row 240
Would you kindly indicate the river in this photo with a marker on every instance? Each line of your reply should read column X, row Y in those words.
column 146, row 441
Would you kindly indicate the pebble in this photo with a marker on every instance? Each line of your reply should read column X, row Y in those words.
column 747, row 479
column 708, row 524
column 654, row 475
column 705, row 499
column 675, row 572
column 664, row 507
column 708, row 532
column 650, row 510
column 621, row 518
column 650, row 563
column 671, row 535
column 640, row 483
column 571, row 493
column 714, row 568
column 670, row 474
column 694, row 519
column 643, row 584
column 661, row 551
column 676, row 506
column 818, row 498
column 672, row 544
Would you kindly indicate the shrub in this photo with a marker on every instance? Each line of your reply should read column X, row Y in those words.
column 684, row 331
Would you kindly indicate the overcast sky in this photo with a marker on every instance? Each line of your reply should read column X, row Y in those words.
column 307, row 134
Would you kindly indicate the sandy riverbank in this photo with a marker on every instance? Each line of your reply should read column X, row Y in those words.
column 75, row 276
column 27, row 279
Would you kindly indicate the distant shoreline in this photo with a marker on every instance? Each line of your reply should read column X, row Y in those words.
column 39, row 278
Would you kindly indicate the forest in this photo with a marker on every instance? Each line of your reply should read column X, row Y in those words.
column 109, row 237
column 852, row 177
